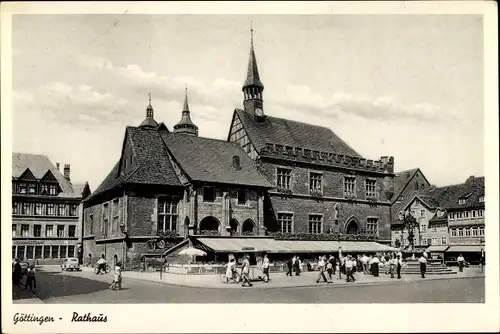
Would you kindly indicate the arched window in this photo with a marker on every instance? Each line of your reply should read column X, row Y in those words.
column 248, row 227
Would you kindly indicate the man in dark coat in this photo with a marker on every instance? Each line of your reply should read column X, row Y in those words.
column 289, row 264
column 17, row 274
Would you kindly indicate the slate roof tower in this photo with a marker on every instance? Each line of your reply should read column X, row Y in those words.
column 253, row 88
column 186, row 126
column 149, row 121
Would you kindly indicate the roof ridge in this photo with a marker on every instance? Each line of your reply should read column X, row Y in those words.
column 294, row 121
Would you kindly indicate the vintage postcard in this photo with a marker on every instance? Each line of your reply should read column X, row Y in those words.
column 301, row 167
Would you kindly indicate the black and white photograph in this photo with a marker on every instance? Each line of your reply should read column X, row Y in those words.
column 239, row 158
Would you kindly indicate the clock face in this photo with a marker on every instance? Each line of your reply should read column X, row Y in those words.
column 258, row 112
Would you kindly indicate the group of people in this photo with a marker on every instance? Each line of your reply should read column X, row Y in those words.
column 294, row 265
column 232, row 274
column 18, row 274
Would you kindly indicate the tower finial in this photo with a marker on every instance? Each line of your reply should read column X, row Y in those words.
column 149, row 97
column 185, row 125
column 186, row 104
column 251, row 34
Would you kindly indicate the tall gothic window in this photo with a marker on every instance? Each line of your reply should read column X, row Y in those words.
column 283, row 178
column 315, row 181
column 167, row 214
column 370, row 188
column 349, row 186
column 285, row 220
column 372, row 226
column 315, row 224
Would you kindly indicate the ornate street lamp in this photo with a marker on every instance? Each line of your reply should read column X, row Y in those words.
column 122, row 229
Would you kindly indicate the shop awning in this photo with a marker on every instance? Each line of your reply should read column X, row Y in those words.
column 241, row 245
column 464, row 248
column 436, row 248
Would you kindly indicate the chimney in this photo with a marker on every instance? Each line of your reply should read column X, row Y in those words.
column 57, row 165
column 236, row 162
column 66, row 172
column 470, row 179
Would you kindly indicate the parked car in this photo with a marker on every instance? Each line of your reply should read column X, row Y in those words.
column 70, row 263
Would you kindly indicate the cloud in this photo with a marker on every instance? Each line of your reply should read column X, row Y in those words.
column 302, row 98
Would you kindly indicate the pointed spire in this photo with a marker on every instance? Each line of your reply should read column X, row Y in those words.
column 149, row 121
column 253, row 78
column 185, row 125
column 186, row 105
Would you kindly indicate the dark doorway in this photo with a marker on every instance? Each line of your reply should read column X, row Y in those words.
column 352, row 227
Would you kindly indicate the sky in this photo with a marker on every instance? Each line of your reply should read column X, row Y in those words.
column 407, row 86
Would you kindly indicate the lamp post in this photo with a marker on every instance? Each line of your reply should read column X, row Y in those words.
column 122, row 229
column 482, row 254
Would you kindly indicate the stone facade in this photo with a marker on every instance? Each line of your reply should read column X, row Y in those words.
column 332, row 203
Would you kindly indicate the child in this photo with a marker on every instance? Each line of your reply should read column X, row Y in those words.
column 117, row 279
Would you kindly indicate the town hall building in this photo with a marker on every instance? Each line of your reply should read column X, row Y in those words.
column 272, row 176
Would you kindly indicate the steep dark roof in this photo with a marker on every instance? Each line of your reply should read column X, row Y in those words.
column 401, row 180
column 151, row 163
column 447, row 197
column 291, row 133
column 39, row 165
column 151, row 155
column 211, row 160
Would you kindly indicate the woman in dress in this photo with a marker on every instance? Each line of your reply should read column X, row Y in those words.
column 117, row 277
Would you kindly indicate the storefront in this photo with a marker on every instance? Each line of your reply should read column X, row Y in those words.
column 436, row 252
column 46, row 252
column 471, row 253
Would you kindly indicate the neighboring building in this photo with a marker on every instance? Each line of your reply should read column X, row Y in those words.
column 320, row 184
column 406, row 184
column 451, row 218
column 177, row 183
column 46, row 220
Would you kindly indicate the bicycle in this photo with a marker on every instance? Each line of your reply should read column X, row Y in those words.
column 236, row 278
column 104, row 270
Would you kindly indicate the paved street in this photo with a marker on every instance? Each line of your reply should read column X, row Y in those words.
column 86, row 287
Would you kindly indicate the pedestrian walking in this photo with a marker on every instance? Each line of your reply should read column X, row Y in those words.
column 461, row 262
column 117, row 277
column 265, row 268
column 30, row 278
column 423, row 265
column 392, row 265
column 297, row 266
column 289, row 264
column 364, row 263
column 17, row 273
column 399, row 264
column 246, row 271
column 375, row 265
column 349, row 265
column 230, row 268
column 329, row 270
column 321, row 268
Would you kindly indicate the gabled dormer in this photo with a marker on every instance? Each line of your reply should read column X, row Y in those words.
column 25, row 184
column 49, row 186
